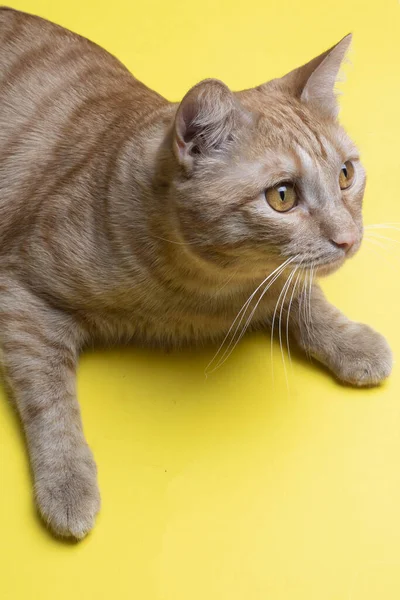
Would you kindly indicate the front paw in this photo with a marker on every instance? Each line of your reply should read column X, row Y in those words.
column 67, row 495
column 362, row 357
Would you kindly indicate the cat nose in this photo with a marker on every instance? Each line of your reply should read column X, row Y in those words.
column 344, row 241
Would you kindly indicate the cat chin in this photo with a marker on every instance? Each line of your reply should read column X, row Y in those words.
column 328, row 269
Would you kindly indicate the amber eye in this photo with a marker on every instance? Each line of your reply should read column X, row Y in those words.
column 282, row 197
column 346, row 175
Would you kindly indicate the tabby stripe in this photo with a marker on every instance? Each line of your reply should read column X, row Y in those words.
column 46, row 104
column 16, row 26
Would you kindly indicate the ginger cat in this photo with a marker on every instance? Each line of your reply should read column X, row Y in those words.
column 126, row 217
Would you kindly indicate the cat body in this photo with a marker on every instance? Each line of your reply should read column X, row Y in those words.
column 124, row 217
column 125, row 276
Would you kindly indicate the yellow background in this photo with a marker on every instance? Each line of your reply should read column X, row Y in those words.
column 230, row 488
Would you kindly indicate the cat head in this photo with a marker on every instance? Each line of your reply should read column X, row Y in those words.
column 268, row 174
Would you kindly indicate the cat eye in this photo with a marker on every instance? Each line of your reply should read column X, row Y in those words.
column 346, row 175
column 281, row 197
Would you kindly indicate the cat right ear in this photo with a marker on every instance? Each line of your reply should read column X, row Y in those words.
column 205, row 122
column 314, row 82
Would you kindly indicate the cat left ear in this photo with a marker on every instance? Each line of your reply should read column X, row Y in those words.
column 205, row 122
column 314, row 82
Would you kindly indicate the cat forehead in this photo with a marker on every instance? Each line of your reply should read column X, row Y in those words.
column 272, row 155
column 308, row 141
column 284, row 122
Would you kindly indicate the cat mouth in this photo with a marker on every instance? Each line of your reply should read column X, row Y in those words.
column 323, row 264
column 327, row 265
column 323, row 267
column 330, row 266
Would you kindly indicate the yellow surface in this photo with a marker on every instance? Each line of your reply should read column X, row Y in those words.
column 230, row 488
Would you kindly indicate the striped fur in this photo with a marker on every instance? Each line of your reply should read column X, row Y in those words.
column 126, row 217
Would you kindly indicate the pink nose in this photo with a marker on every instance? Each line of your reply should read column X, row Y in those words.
column 345, row 241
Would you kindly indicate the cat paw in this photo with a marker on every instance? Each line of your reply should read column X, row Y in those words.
column 68, row 497
column 363, row 359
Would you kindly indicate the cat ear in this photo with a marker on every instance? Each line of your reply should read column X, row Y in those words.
column 314, row 82
column 205, row 121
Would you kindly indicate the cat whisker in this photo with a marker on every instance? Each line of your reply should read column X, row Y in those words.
column 309, row 297
column 245, row 327
column 376, row 242
column 174, row 241
column 381, row 245
column 274, row 275
column 273, row 325
column 228, row 351
column 381, row 225
column 301, row 297
column 288, row 316
column 305, row 287
column 219, row 289
column 383, row 237
column 287, row 286
column 305, row 320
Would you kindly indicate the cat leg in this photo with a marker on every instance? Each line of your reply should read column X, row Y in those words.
column 40, row 349
column 354, row 352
